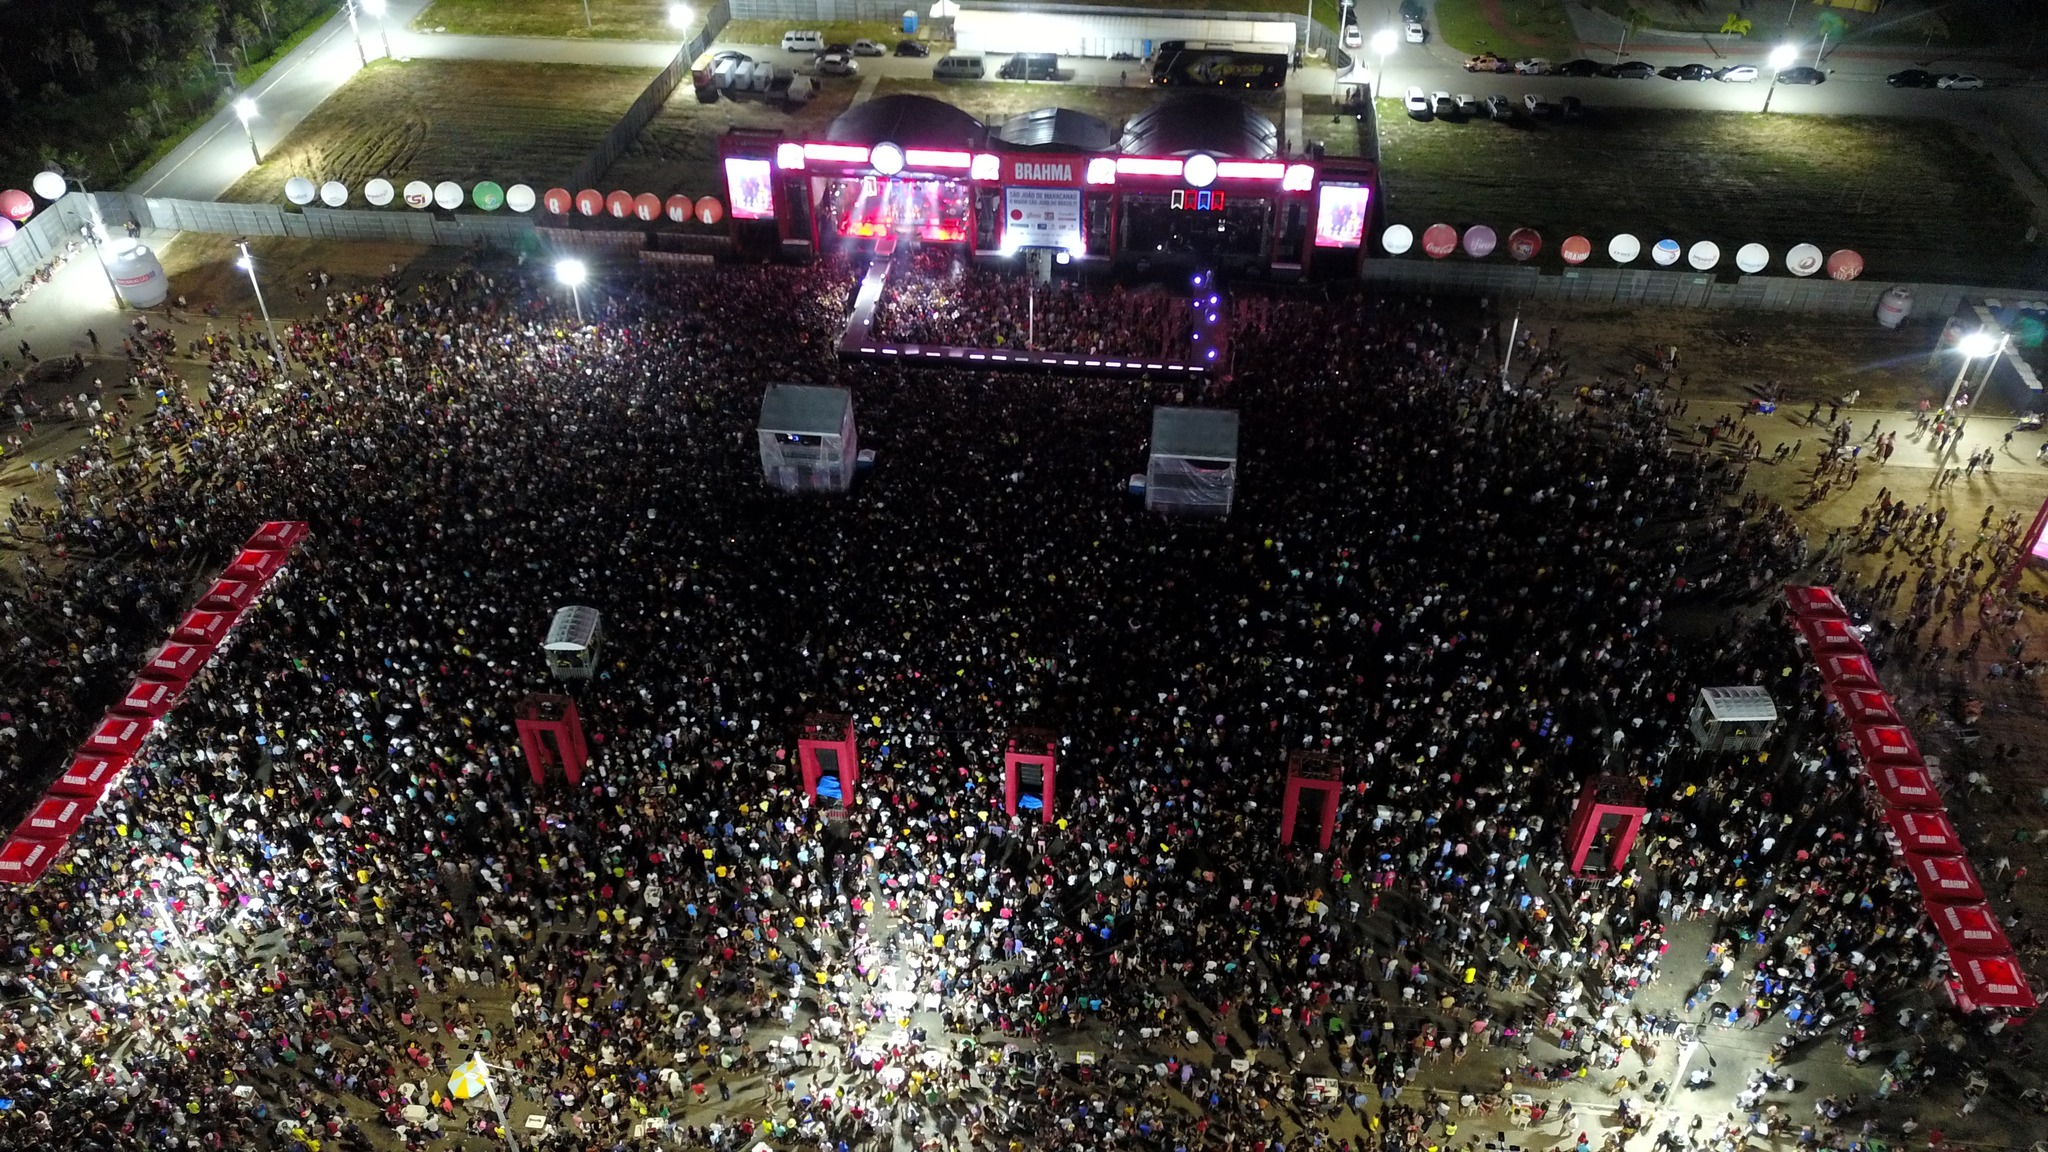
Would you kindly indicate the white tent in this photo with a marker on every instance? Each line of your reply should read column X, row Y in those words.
column 807, row 438
column 1194, row 461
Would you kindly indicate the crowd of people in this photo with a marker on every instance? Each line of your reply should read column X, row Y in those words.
column 934, row 298
column 331, row 878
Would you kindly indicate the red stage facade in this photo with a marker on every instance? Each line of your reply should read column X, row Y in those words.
column 960, row 184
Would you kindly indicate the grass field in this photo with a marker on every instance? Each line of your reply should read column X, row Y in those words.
column 678, row 150
column 1910, row 195
column 609, row 19
column 1342, row 133
column 439, row 120
column 1532, row 28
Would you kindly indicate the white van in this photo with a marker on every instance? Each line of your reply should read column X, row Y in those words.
column 958, row 68
column 803, row 41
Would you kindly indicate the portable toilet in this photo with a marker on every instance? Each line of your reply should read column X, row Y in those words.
column 572, row 642
column 910, row 21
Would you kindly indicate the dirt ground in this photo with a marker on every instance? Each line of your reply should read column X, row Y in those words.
column 607, row 19
column 461, row 120
column 1912, row 196
column 678, row 150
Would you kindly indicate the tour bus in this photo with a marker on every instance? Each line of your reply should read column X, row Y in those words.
column 1180, row 63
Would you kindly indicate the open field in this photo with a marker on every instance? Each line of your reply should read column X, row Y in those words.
column 439, row 120
column 1911, row 195
column 1342, row 133
column 609, row 19
column 1526, row 28
column 995, row 101
column 678, row 150
column 201, row 267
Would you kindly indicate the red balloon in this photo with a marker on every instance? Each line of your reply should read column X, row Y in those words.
column 590, row 201
column 1439, row 240
column 619, row 204
column 647, row 206
column 558, row 201
column 16, row 204
column 1575, row 249
column 1524, row 243
column 709, row 210
column 1845, row 264
column 678, row 207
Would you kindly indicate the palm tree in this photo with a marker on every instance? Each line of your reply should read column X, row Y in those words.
column 49, row 53
column 84, row 57
column 1737, row 24
column 118, row 21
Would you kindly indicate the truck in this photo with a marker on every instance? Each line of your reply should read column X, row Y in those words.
column 1179, row 63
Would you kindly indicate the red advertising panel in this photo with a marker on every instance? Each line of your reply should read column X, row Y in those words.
column 55, row 818
column 1928, row 833
column 1905, row 787
column 229, row 594
column 24, row 861
column 279, row 535
column 1848, row 672
column 1806, row 600
column 1966, row 928
column 118, row 736
column 1886, row 743
column 90, row 776
column 1945, row 879
column 1992, row 982
column 151, row 698
column 1826, row 634
column 1868, row 706
column 177, row 662
column 261, row 563
column 203, row 629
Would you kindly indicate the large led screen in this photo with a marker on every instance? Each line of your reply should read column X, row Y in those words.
column 748, row 188
column 1341, row 214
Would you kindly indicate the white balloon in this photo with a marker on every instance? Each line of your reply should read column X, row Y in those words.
column 419, row 193
column 1397, row 239
column 448, row 194
column 49, row 185
column 1704, row 255
column 1803, row 260
column 334, row 193
column 1752, row 258
column 1624, row 248
column 299, row 190
column 519, row 198
column 378, row 191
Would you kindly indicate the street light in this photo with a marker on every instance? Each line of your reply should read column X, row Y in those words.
column 1782, row 57
column 95, row 226
column 247, row 263
column 356, row 31
column 246, row 109
column 573, row 273
column 680, row 15
column 377, row 8
column 1384, row 42
column 1974, row 346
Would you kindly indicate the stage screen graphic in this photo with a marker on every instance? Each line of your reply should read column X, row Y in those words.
column 1341, row 215
column 748, row 188
column 1044, row 217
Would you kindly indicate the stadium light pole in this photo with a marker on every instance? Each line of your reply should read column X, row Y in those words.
column 679, row 16
column 573, row 273
column 1782, row 58
column 586, row 15
column 1971, row 347
column 356, row 30
column 95, row 225
column 247, row 263
column 1383, row 44
column 246, row 109
column 378, row 8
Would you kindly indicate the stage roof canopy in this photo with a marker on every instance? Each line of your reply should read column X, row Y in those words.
column 908, row 121
column 1055, row 129
column 1202, row 122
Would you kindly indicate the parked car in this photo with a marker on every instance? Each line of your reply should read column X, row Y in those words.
column 959, row 68
column 1536, row 105
column 911, row 48
column 1686, row 72
column 1030, row 66
column 1960, row 81
column 1532, row 66
column 1500, row 107
column 1802, row 76
column 1581, row 67
column 1442, row 104
column 1486, row 62
column 1911, row 78
column 803, row 41
column 838, row 64
column 846, row 48
column 1633, row 70
column 1414, row 32
column 1737, row 74
column 1417, row 103
column 1469, row 105
column 1353, row 38
column 1569, row 108
column 868, row 48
